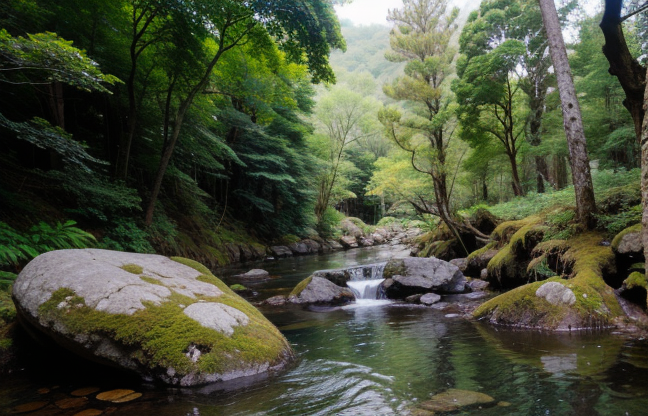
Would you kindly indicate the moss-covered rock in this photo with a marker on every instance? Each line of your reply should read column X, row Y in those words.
column 187, row 328
column 595, row 303
column 635, row 289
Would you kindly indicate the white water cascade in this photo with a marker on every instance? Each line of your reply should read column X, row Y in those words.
column 365, row 283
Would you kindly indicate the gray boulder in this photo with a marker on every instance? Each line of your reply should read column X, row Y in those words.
column 317, row 289
column 348, row 241
column 366, row 242
column 350, row 229
column 280, row 251
column 334, row 245
column 313, row 246
column 414, row 275
column 167, row 319
column 299, row 248
column 254, row 274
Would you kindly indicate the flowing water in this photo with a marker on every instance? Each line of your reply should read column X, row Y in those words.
column 380, row 360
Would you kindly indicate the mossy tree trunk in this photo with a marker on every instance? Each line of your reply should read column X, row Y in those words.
column 572, row 120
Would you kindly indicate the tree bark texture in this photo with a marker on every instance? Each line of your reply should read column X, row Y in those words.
column 631, row 75
column 572, row 120
column 644, row 177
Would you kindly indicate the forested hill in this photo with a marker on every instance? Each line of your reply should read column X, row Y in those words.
column 154, row 130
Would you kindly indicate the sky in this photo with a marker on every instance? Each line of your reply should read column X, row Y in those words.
column 366, row 12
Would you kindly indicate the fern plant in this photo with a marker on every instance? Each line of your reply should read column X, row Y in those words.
column 17, row 248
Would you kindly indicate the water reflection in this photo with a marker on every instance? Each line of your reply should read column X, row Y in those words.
column 385, row 360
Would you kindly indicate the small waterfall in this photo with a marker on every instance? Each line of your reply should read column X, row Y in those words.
column 364, row 282
column 366, row 289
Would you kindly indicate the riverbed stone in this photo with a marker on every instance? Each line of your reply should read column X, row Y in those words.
column 280, row 251
column 460, row 263
column 148, row 314
column 455, row 399
column 366, row 242
column 318, row 290
column 299, row 248
column 421, row 275
column 335, row 245
column 313, row 246
column 430, row 299
column 254, row 274
column 477, row 285
column 350, row 229
column 348, row 241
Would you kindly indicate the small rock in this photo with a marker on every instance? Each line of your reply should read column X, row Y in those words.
column 413, row 298
column 483, row 275
column 278, row 300
column 556, row 293
column 430, row 298
column 462, row 264
column 84, row 391
column 71, row 402
column 348, row 241
column 478, row 285
column 280, row 251
column 254, row 274
column 455, row 399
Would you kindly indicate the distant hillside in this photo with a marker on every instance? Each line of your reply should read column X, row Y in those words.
column 366, row 47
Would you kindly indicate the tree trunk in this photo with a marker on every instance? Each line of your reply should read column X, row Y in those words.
column 644, row 179
column 542, row 173
column 631, row 75
column 572, row 120
column 515, row 177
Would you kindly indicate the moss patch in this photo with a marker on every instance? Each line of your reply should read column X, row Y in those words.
column 617, row 239
column 481, row 251
column 505, row 230
column 238, row 287
column 151, row 280
column 132, row 268
column 636, row 279
column 301, row 286
column 161, row 334
column 596, row 304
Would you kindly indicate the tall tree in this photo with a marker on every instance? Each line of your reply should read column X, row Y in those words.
column 308, row 31
column 421, row 38
column 488, row 88
column 630, row 73
column 572, row 120
column 342, row 118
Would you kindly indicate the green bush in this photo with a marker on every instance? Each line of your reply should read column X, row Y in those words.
column 126, row 236
column 329, row 222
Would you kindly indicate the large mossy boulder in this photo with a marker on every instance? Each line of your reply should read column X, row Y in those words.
column 582, row 301
column 319, row 290
column 168, row 319
column 414, row 275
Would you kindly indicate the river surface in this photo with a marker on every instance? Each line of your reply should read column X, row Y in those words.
column 378, row 360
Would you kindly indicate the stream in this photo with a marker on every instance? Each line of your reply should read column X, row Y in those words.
column 372, row 359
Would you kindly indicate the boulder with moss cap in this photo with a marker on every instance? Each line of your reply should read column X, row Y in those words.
column 168, row 319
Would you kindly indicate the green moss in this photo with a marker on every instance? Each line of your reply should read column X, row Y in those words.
column 301, row 286
column 151, row 280
column 502, row 263
column 238, row 287
column 193, row 264
column 617, row 239
column 132, row 268
column 505, row 230
column 596, row 304
column 221, row 256
column 482, row 250
column 636, row 279
column 163, row 332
